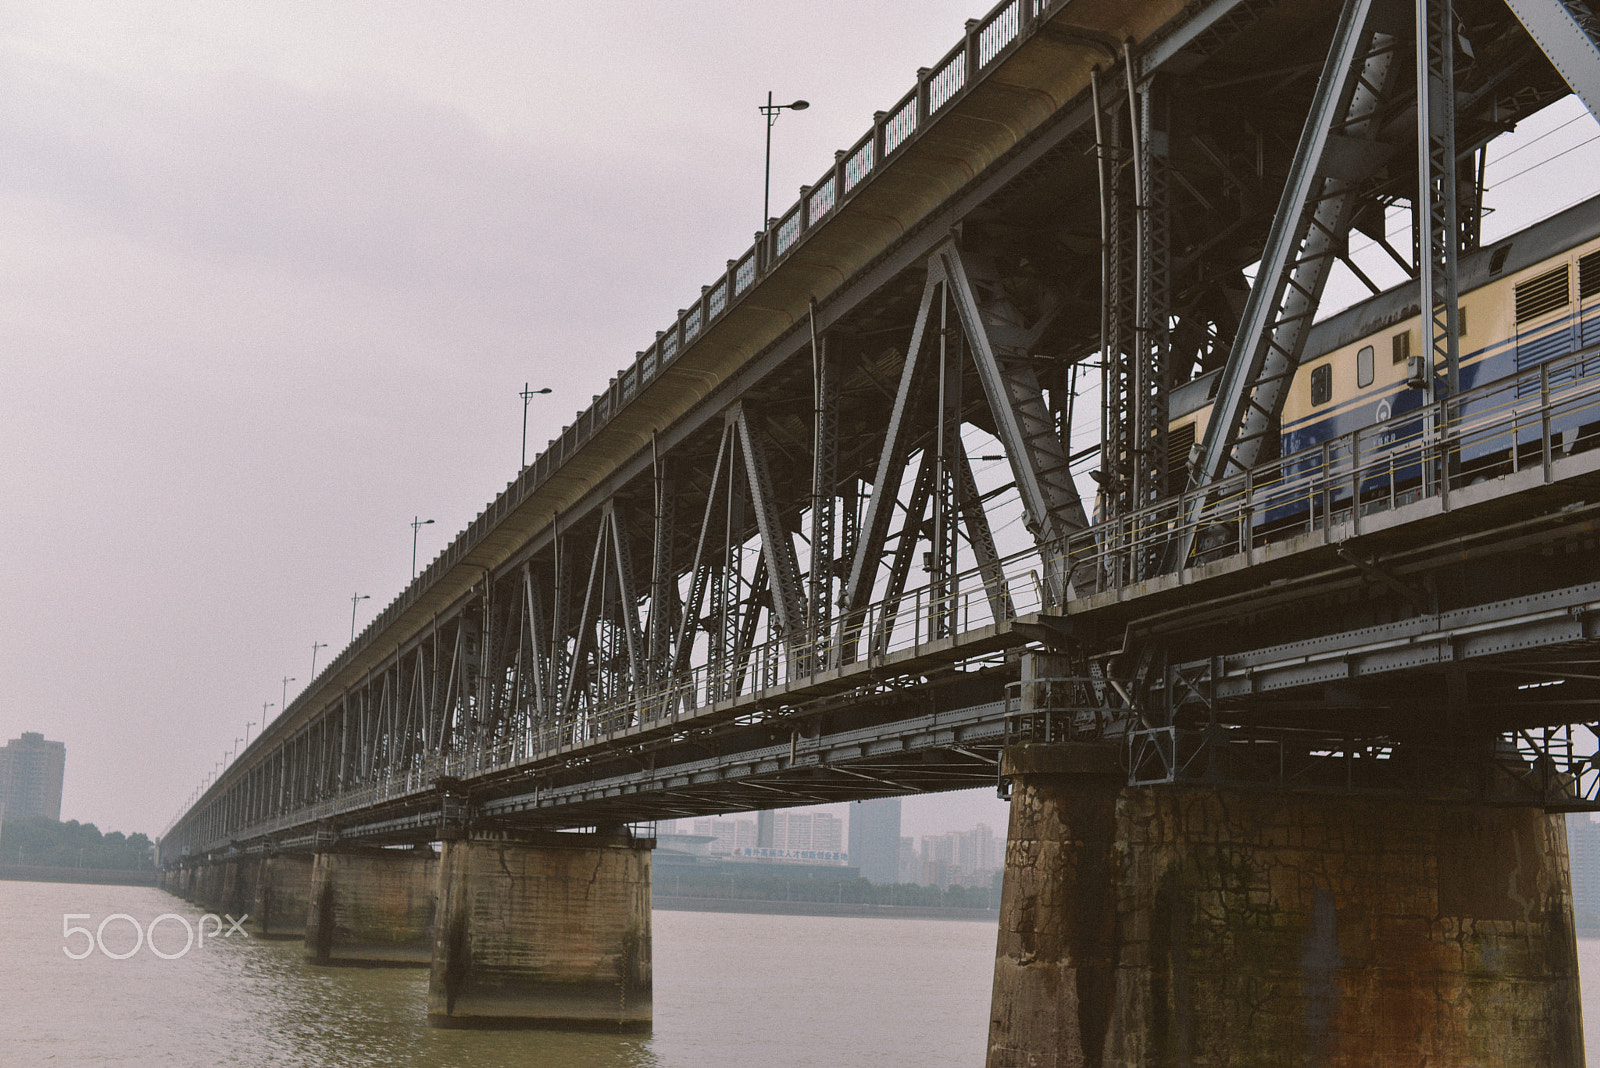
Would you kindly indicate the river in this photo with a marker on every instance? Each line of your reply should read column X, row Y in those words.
column 730, row 989
column 745, row 991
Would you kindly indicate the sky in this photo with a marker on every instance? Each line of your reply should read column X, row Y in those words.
column 272, row 276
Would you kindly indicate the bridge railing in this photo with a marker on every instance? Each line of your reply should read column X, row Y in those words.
column 1430, row 451
column 985, row 41
column 1528, row 421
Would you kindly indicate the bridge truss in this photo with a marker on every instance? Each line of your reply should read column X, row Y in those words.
column 705, row 595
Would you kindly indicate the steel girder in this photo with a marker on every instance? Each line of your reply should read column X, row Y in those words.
column 1569, row 34
column 1337, row 150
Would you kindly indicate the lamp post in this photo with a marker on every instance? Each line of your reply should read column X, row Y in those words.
column 247, row 727
column 417, row 522
column 526, row 395
column 355, row 599
column 314, row 647
column 771, row 110
column 264, row 706
column 287, row 679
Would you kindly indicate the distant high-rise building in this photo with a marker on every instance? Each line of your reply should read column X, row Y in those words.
column 910, row 866
column 1583, row 853
column 875, row 839
column 31, row 770
column 730, row 835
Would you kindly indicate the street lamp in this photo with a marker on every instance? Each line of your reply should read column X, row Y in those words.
column 264, row 706
column 771, row 110
column 247, row 727
column 526, row 395
column 417, row 522
column 355, row 599
column 287, row 679
column 314, row 647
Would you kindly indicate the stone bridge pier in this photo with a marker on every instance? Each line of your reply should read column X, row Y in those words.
column 371, row 906
column 547, row 930
column 1212, row 926
column 282, row 896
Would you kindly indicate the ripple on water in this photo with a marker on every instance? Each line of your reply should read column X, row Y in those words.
column 731, row 989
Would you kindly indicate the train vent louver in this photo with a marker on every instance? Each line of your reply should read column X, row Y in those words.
column 1588, row 275
column 1545, row 293
column 1180, row 440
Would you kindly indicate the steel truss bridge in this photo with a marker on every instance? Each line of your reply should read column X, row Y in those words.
column 773, row 564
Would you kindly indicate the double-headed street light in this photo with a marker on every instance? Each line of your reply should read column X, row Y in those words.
column 417, row 522
column 771, row 110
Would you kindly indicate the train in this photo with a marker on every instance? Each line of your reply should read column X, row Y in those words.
column 1529, row 301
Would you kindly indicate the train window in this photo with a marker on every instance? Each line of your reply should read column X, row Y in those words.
column 1364, row 369
column 1542, row 294
column 1402, row 346
column 1588, row 275
column 1322, row 384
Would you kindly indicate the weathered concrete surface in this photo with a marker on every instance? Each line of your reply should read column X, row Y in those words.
column 1203, row 927
column 208, row 881
column 239, row 875
column 554, row 934
column 283, row 896
column 372, row 907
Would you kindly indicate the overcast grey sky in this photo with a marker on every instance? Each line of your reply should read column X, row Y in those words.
column 272, row 275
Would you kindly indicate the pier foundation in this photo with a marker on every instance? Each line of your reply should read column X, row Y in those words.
column 239, row 876
column 1197, row 927
column 550, row 932
column 282, row 897
column 373, row 907
column 208, row 884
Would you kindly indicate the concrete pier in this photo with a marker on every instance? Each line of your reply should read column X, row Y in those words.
column 208, row 884
column 550, row 932
column 283, row 896
column 372, row 907
column 1197, row 927
column 239, row 875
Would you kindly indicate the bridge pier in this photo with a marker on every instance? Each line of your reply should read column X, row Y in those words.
column 550, row 932
column 1209, row 926
column 239, row 877
column 282, row 896
column 208, row 884
column 371, row 906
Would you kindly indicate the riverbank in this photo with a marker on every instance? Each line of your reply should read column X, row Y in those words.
column 821, row 908
column 39, row 873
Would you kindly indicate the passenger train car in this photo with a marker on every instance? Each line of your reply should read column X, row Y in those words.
column 1531, row 299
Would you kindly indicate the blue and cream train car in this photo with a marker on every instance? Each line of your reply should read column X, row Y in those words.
column 1528, row 300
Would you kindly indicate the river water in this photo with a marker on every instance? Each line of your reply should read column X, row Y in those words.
column 730, row 990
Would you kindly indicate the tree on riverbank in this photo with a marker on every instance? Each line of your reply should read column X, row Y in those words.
column 38, row 840
column 765, row 885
